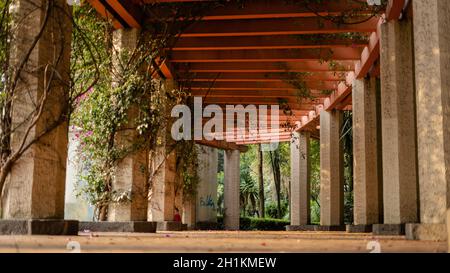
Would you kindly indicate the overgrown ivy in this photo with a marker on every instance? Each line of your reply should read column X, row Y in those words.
column 126, row 98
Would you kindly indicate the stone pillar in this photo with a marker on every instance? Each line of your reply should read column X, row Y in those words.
column 331, row 170
column 432, row 67
column 300, row 181
column 366, row 172
column 36, row 184
column 207, row 189
column 163, row 173
column 131, row 172
column 398, row 127
column 189, row 213
column 231, row 189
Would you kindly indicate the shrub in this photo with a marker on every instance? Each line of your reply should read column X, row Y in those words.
column 249, row 223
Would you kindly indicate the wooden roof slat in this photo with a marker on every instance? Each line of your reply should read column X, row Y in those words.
column 272, row 55
column 318, row 85
column 244, row 76
column 252, row 93
column 262, row 42
column 256, row 9
column 284, row 26
column 239, row 67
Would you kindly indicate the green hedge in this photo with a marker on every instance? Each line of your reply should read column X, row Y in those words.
column 248, row 223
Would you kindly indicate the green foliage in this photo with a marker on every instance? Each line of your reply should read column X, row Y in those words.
column 250, row 223
column 315, row 180
column 4, row 33
column 187, row 166
column 113, row 108
column 347, row 143
column 220, row 191
column 248, row 184
column 5, row 20
column 272, row 210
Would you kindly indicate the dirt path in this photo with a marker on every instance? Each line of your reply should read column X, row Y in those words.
column 204, row 241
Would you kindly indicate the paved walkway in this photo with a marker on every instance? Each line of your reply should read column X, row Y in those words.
column 218, row 241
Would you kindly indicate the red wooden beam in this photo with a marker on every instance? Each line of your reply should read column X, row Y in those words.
column 293, row 102
column 103, row 11
column 258, row 9
column 264, row 67
column 261, row 77
column 221, row 144
column 284, row 26
column 261, row 42
column 283, row 86
column 394, row 9
column 269, row 55
column 252, row 93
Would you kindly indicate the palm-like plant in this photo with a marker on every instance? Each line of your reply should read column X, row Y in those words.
column 248, row 193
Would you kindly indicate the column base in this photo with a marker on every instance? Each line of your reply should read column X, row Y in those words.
column 426, row 232
column 131, row 226
column 359, row 228
column 330, row 228
column 171, row 226
column 301, row 228
column 39, row 227
column 388, row 229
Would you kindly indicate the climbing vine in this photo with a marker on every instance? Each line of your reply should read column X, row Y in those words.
column 128, row 100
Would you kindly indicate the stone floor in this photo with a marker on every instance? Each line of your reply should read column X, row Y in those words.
column 218, row 241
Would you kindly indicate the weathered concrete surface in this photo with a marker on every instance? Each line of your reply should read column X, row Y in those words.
column 398, row 123
column 448, row 229
column 300, row 179
column 301, row 228
column 36, row 184
column 330, row 228
column 189, row 213
column 131, row 172
column 432, row 64
column 359, row 228
column 39, row 227
column 231, row 189
column 331, row 169
column 170, row 226
column 388, row 229
column 427, row 232
column 132, row 226
column 162, row 170
column 367, row 174
column 207, row 189
column 219, row 241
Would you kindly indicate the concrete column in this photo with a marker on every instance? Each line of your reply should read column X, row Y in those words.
column 189, row 213
column 432, row 72
column 300, row 180
column 231, row 189
column 163, row 172
column 207, row 189
column 131, row 172
column 37, row 180
column 367, row 174
column 331, row 170
column 398, row 127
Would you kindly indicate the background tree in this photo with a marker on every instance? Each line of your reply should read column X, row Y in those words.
column 261, row 198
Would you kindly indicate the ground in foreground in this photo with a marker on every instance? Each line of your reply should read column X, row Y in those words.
column 218, row 241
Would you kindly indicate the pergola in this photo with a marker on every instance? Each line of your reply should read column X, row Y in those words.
column 394, row 79
column 248, row 54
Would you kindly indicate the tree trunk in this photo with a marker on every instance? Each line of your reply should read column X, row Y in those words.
column 261, row 182
column 275, row 160
column 103, row 213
